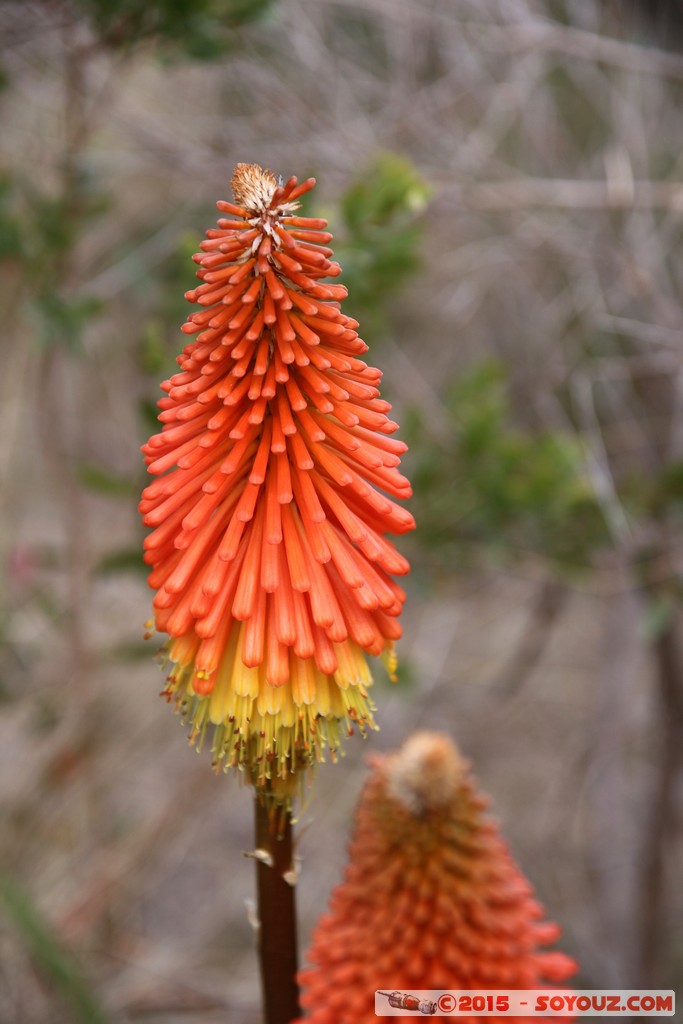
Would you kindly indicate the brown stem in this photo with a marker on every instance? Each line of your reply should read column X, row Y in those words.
column 547, row 606
column 653, row 910
column 277, row 940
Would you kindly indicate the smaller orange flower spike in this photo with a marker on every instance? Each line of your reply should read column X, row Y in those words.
column 431, row 898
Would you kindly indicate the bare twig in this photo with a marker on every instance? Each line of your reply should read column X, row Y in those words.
column 547, row 606
column 543, row 37
column 651, row 334
column 598, row 461
column 563, row 193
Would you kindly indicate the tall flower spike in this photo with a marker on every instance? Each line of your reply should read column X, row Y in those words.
column 431, row 898
column 268, row 549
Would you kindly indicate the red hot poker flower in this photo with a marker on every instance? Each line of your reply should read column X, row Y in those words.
column 431, row 898
column 275, row 472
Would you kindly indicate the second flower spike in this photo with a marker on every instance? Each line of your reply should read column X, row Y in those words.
column 276, row 478
column 431, row 898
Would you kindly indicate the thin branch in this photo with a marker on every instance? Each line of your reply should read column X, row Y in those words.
column 651, row 334
column 597, row 461
column 548, row 603
column 540, row 37
column 565, row 193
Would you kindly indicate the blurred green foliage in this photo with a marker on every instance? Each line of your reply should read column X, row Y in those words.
column 198, row 29
column 657, row 496
column 38, row 236
column 660, row 613
column 161, row 339
column 100, row 480
column 10, row 226
column 378, row 247
column 486, row 486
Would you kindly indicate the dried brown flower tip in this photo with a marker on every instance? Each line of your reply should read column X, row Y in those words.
column 253, row 186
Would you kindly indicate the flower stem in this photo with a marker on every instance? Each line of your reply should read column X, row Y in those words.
column 277, row 940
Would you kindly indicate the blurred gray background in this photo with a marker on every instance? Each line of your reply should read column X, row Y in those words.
column 505, row 183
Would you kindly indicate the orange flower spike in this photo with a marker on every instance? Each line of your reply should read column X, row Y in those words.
column 275, row 475
column 431, row 898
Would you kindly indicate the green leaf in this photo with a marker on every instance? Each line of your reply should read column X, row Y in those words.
column 658, row 617
column 102, row 481
column 381, row 248
column 125, row 560
column 62, row 320
column 130, row 652
column 149, row 413
column 390, row 189
column 199, row 29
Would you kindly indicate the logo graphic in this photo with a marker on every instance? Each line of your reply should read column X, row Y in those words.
column 530, row 1003
column 405, row 1001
